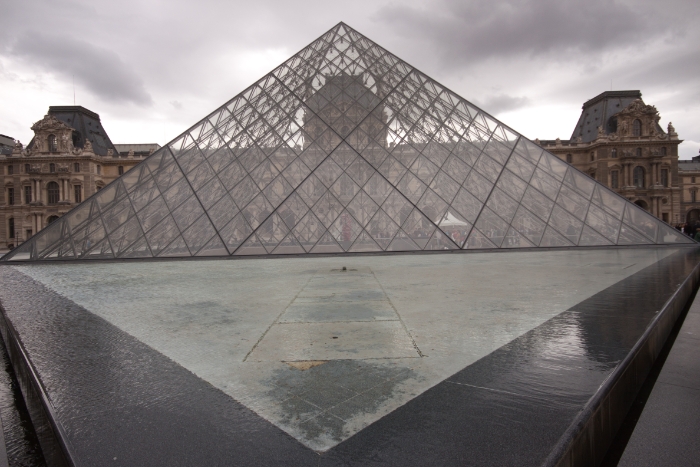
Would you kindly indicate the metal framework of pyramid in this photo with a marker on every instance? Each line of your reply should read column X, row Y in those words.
column 345, row 148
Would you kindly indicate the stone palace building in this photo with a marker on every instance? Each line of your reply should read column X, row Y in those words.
column 618, row 141
column 69, row 159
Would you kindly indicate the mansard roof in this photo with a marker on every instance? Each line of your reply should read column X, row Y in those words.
column 87, row 125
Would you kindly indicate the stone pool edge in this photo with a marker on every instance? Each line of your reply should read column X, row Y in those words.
column 589, row 436
column 52, row 437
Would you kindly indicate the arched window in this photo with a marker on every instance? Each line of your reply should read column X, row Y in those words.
column 53, row 192
column 638, row 175
column 613, row 153
column 637, row 128
column 614, row 179
column 638, row 152
column 51, row 219
column 52, row 168
column 11, row 228
column 569, row 158
column 53, row 143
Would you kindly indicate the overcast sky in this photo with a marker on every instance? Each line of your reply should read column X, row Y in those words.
column 152, row 68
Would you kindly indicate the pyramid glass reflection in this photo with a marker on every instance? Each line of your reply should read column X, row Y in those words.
column 345, row 148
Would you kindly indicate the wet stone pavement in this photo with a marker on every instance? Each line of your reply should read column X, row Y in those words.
column 473, row 359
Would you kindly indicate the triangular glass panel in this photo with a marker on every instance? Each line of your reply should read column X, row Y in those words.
column 515, row 239
column 235, row 232
column 326, row 244
column 345, row 148
column 175, row 249
column 590, row 237
column 402, row 242
column 455, row 227
column 478, row 241
column 214, row 248
column 252, row 246
column 364, row 243
column 440, row 241
column 667, row 234
column 138, row 249
column 289, row 246
column 629, row 236
column 641, row 221
column 552, row 238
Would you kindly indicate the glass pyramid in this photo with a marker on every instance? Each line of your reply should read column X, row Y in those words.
column 345, row 148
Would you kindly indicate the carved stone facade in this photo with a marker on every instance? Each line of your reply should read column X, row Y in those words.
column 618, row 141
column 689, row 174
column 64, row 164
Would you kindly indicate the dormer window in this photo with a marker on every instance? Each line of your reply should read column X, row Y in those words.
column 637, row 128
column 53, row 143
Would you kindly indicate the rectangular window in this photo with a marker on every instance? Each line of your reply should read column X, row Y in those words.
column 27, row 194
column 78, row 189
column 76, row 167
column 10, row 196
column 28, row 233
column 121, row 170
column 664, row 217
column 26, row 168
column 614, row 179
column 10, row 169
column 692, row 196
column 692, row 179
column 11, row 228
column 664, row 177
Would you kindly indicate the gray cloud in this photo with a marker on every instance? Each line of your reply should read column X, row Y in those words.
column 463, row 32
column 502, row 103
column 99, row 70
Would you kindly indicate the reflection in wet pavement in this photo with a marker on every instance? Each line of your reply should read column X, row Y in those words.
column 21, row 443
